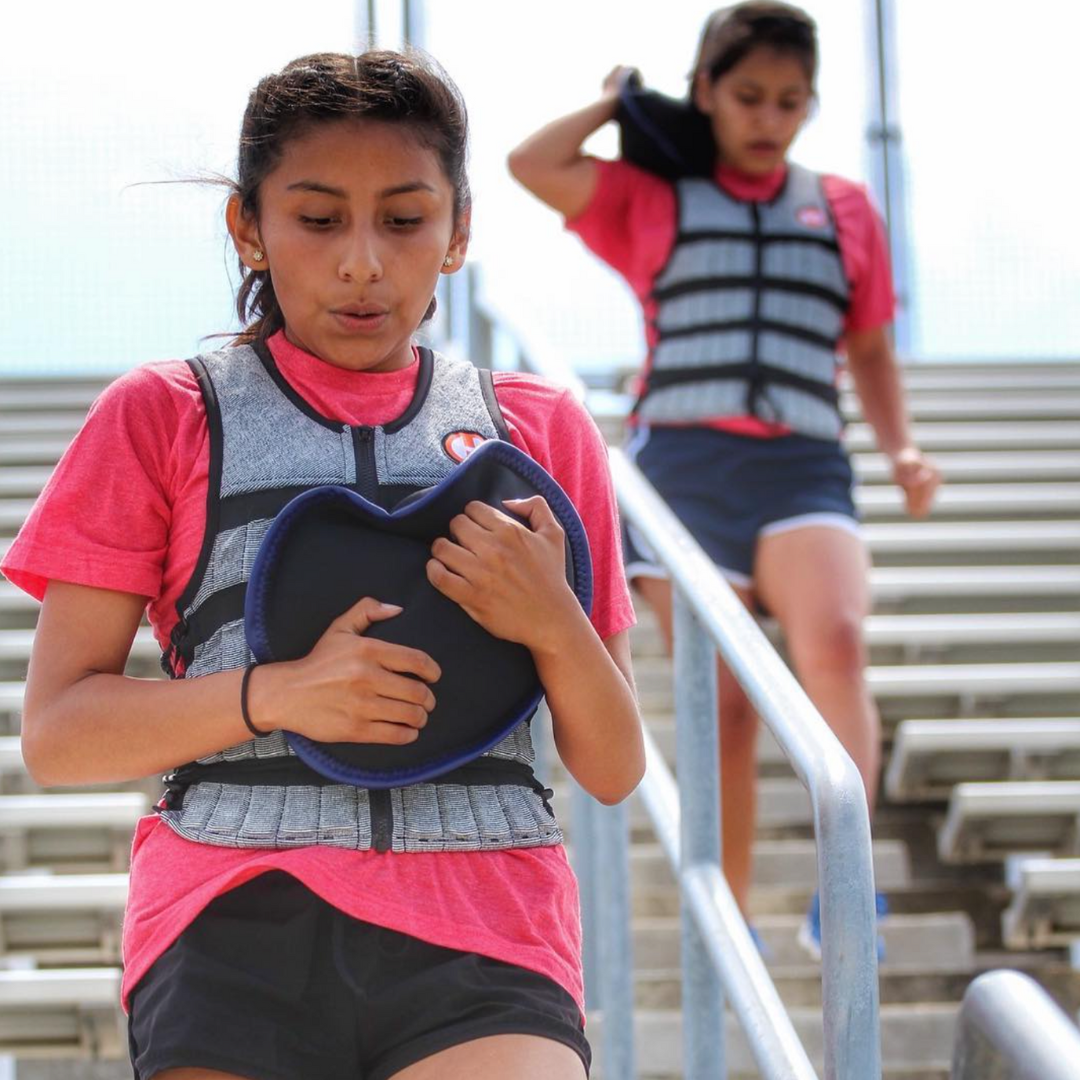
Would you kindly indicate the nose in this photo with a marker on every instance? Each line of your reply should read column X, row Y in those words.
column 359, row 258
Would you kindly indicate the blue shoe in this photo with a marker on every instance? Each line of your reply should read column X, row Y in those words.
column 810, row 931
column 759, row 941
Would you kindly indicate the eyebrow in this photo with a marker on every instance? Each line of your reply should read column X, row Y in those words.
column 326, row 189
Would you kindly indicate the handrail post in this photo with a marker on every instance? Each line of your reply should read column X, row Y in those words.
column 583, row 815
column 615, row 939
column 698, row 765
column 849, row 987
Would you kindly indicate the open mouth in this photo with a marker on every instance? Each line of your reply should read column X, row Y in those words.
column 360, row 316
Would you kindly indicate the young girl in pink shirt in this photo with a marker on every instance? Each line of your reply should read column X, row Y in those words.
column 754, row 275
column 329, row 946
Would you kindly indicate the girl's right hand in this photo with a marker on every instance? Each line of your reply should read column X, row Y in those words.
column 616, row 79
column 349, row 688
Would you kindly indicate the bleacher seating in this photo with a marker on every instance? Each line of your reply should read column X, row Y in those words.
column 1045, row 911
column 993, row 820
column 930, row 757
column 974, row 644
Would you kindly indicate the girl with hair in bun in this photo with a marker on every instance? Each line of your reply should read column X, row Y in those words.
column 281, row 924
column 755, row 275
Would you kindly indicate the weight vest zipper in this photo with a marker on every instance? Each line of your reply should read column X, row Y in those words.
column 367, row 483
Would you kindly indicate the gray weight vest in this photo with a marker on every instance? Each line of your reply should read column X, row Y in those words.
column 267, row 445
column 749, row 311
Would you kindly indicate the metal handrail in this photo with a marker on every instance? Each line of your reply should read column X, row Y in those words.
column 718, row 953
column 841, row 818
column 1010, row 1029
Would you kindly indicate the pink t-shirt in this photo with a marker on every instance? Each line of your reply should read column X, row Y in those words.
column 125, row 509
column 632, row 220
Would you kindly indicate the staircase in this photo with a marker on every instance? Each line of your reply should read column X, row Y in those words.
column 974, row 651
column 975, row 643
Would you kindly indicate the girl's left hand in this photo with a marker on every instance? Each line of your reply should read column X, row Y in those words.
column 919, row 477
column 508, row 575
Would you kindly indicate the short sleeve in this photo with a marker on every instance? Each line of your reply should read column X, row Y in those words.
column 630, row 222
column 103, row 518
column 864, row 249
column 553, row 427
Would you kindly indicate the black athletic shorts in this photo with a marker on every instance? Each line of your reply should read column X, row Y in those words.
column 273, row 983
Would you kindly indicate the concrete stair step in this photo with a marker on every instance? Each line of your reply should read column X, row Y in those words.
column 916, row 1040
column 909, row 632
column 922, row 944
column 789, row 864
column 981, row 466
column 1018, row 405
column 955, row 434
column 653, row 676
column 936, row 378
column 1010, row 501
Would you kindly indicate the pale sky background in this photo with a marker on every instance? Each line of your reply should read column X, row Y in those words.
column 102, row 271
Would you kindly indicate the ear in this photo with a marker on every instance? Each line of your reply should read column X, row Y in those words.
column 703, row 95
column 459, row 243
column 244, row 231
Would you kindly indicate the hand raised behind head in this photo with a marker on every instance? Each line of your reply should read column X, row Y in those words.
column 617, row 78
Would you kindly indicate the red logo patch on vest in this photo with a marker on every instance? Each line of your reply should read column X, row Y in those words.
column 813, row 217
column 460, row 444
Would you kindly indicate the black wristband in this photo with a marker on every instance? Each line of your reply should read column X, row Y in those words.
column 244, row 704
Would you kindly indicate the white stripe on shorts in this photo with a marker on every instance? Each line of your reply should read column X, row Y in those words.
column 826, row 519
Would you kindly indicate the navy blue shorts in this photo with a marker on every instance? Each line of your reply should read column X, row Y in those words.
column 728, row 490
column 272, row 982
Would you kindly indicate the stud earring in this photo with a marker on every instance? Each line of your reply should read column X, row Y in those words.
column 448, row 261
column 257, row 256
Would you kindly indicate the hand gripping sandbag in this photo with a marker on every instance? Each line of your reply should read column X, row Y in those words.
column 669, row 137
column 331, row 547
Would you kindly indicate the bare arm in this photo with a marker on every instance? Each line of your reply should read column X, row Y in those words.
column 876, row 375
column 510, row 577
column 86, row 722
column 550, row 163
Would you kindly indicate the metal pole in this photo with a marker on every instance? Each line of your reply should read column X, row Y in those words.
column 413, row 23
column 583, row 817
column 616, row 943
column 365, row 25
column 698, row 765
column 886, row 160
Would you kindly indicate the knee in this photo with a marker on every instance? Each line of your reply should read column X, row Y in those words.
column 836, row 647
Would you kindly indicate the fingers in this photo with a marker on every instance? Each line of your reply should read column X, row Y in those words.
column 460, row 560
column 388, row 711
column 405, row 661
column 452, row 586
column 536, row 512
column 363, row 613
column 468, row 532
column 390, row 734
column 414, row 693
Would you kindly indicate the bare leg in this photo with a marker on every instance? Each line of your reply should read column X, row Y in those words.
column 497, row 1057
column 815, row 581
column 738, row 761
